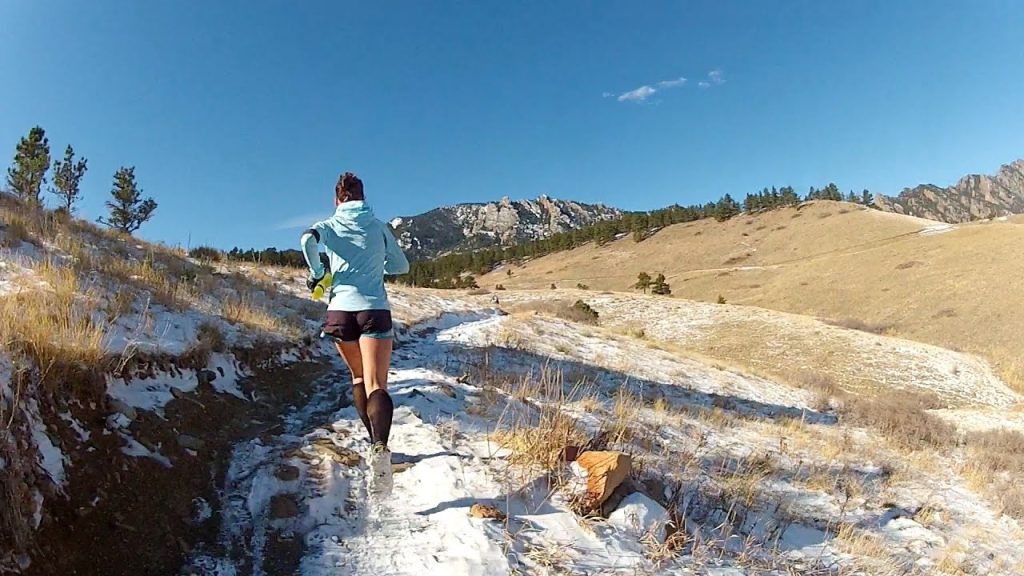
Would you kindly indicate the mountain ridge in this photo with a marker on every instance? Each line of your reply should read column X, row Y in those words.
column 973, row 197
column 475, row 225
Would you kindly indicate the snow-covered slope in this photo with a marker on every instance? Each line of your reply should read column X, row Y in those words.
column 733, row 474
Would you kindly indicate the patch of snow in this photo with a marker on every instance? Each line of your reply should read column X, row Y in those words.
column 201, row 510
column 134, row 448
column 37, row 508
column 151, row 393
column 83, row 434
column 936, row 229
column 155, row 393
column 637, row 514
column 51, row 459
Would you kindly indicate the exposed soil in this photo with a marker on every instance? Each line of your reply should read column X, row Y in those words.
column 133, row 515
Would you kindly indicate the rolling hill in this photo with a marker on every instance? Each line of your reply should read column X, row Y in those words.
column 953, row 286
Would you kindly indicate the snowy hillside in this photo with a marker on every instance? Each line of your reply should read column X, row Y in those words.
column 731, row 474
column 183, row 417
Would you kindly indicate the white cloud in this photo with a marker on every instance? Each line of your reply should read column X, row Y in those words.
column 639, row 95
column 671, row 83
column 716, row 76
column 646, row 91
column 304, row 221
column 704, row 84
column 606, row 94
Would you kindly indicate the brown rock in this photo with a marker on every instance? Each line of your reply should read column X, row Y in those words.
column 326, row 448
column 605, row 471
column 287, row 472
column 486, row 511
column 400, row 467
column 283, row 506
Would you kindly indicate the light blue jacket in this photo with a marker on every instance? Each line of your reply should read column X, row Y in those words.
column 361, row 250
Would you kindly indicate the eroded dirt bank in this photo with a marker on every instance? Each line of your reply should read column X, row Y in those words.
column 143, row 513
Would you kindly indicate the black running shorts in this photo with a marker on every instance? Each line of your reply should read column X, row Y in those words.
column 350, row 326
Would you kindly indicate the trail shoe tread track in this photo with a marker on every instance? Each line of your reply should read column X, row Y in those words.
column 378, row 479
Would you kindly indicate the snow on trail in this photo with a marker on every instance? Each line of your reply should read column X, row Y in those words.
column 306, row 488
column 296, row 502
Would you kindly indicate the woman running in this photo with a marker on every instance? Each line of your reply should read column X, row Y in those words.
column 360, row 251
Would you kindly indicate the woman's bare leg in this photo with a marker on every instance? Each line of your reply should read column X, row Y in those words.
column 376, row 360
column 352, row 356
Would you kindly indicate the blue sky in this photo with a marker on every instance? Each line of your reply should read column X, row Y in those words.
column 239, row 116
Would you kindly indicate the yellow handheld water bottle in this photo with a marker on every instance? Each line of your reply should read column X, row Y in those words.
column 322, row 287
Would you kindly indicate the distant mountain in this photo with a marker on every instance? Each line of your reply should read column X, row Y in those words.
column 974, row 197
column 471, row 226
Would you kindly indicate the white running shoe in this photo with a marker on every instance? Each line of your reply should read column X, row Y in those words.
column 378, row 480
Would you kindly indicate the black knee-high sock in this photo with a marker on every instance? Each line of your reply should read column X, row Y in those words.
column 359, row 399
column 380, row 408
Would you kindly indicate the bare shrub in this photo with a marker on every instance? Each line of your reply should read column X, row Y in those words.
column 210, row 334
column 207, row 254
column 826, row 391
column 578, row 311
column 14, row 233
column 998, row 450
column 902, row 418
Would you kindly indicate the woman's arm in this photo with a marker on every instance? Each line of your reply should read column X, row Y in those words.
column 395, row 261
column 310, row 241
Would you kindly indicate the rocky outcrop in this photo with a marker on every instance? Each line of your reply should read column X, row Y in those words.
column 974, row 197
column 472, row 226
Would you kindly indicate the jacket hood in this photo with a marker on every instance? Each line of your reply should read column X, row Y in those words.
column 356, row 212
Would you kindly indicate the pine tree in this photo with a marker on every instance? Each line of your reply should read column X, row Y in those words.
column 128, row 211
column 643, row 282
column 31, row 161
column 67, row 174
column 867, row 198
column 726, row 208
column 660, row 287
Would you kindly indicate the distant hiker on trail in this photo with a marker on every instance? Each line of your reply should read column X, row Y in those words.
column 360, row 251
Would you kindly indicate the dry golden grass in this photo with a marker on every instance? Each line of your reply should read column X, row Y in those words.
column 958, row 289
column 54, row 328
column 246, row 310
column 869, row 549
column 994, row 465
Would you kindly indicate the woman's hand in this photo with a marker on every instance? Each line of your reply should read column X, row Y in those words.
column 312, row 281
